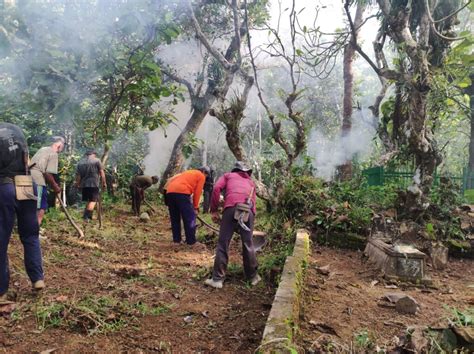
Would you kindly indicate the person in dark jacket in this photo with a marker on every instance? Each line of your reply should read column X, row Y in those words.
column 238, row 215
column 14, row 163
column 137, row 190
column 207, row 191
column 89, row 175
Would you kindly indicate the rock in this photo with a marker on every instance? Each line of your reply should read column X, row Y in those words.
column 323, row 270
column 394, row 297
column 439, row 255
column 391, row 286
column 407, row 304
column 417, row 341
column 467, row 207
column 465, row 226
column 144, row 217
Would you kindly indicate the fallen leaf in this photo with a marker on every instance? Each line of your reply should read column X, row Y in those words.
column 323, row 328
column 7, row 309
column 48, row 351
column 62, row 298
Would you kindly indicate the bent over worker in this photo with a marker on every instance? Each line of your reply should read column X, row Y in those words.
column 238, row 215
column 17, row 197
column 137, row 190
column 89, row 173
column 178, row 192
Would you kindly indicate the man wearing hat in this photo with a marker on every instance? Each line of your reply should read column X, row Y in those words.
column 178, row 192
column 89, row 173
column 238, row 216
column 137, row 190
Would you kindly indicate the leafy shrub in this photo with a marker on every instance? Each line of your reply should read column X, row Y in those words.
column 342, row 206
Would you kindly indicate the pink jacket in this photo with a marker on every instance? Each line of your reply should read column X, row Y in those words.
column 238, row 187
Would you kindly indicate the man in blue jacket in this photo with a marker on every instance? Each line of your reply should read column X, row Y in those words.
column 14, row 162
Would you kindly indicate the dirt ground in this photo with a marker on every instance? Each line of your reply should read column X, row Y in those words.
column 344, row 310
column 127, row 288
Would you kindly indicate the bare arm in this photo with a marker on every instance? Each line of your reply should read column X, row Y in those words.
column 50, row 180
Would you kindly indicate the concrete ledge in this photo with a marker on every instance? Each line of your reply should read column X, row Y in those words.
column 278, row 333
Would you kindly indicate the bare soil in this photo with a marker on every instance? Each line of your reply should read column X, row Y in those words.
column 345, row 308
column 127, row 288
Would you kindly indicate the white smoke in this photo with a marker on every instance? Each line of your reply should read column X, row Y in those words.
column 329, row 153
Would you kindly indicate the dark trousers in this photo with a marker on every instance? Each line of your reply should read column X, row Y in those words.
column 28, row 229
column 207, row 201
column 180, row 207
column 137, row 198
column 228, row 226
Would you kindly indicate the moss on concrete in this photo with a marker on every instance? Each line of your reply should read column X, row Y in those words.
column 283, row 317
column 460, row 249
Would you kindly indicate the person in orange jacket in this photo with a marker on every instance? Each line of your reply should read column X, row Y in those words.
column 178, row 192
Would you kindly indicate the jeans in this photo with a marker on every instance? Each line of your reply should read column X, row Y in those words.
column 180, row 207
column 28, row 229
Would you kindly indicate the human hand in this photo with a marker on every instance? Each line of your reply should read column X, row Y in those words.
column 196, row 211
column 56, row 189
column 215, row 217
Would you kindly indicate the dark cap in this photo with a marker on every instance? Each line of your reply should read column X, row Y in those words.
column 241, row 166
column 205, row 169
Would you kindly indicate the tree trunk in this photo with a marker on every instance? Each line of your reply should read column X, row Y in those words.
column 105, row 155
column 345, row 170
column 470, row 91
column 176, row 161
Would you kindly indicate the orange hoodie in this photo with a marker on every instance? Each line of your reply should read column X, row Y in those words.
column 188, row 182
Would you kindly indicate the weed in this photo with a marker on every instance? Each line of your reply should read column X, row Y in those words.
column 97, row 253
column 202, row 273
column 461, row 318
column 57, row 256
column 234, row 269
column 144, row 309
column 363, row 340
column 50, row 316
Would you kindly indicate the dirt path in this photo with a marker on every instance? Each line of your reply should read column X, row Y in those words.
column 343, row 310
column 126, row 287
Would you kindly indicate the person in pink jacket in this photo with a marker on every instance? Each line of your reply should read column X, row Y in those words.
column 238, row 215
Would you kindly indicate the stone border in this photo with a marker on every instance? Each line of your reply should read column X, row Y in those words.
column 279, row 330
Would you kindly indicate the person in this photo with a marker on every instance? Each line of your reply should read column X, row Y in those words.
column 178, row 192
column 137, row 190
column 208, row 186
column 89, row 174
column 238, row 215
column 44, row 165
column 14, row 162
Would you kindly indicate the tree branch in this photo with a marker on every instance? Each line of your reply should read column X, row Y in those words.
column 454, row 13
column 202, row 38
column 179, row 80
column 387, row 73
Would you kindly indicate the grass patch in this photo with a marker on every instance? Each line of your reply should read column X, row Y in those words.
column 93, row 315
